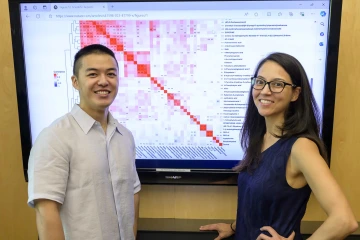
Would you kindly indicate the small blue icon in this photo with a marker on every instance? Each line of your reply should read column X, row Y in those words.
column 323, row 13
column 321, row 34
column 321, row 44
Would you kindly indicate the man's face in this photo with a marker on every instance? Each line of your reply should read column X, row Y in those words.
column 97, row 81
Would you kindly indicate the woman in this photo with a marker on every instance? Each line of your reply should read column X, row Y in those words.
column 284, row 161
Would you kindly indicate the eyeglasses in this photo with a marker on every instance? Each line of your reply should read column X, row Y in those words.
column 275, row 86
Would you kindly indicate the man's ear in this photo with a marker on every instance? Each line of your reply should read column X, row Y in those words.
column 296, row 94
column 75, row 82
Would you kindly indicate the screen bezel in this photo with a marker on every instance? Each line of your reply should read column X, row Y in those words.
column 202, row 171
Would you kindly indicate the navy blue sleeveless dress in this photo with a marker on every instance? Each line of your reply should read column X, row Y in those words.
column 266, row 199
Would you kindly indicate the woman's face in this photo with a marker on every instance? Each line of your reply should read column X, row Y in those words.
column 273, row 103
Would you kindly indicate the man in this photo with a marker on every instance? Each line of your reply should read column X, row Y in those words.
column 82, row 177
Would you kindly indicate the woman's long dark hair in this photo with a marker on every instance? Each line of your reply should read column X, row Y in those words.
column 302, row 118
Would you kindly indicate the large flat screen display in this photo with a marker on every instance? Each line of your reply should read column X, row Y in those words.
column 185, row 69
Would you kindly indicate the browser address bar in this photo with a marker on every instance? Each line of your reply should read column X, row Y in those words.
column 159, row 15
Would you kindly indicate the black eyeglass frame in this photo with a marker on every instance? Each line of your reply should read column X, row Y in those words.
column 268, row 83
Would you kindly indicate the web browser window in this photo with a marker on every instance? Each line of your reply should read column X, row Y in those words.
column 185, row 67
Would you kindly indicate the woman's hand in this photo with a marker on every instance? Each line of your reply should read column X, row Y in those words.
column 223, row 229
column 274, row 234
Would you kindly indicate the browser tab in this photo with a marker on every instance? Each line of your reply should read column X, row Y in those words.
column 77, row 7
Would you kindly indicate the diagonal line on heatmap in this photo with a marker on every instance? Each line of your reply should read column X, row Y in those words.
column 177, row 102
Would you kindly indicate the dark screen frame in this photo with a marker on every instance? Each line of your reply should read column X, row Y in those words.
column 208, row 172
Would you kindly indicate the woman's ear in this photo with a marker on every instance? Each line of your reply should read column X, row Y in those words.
column 296, row 94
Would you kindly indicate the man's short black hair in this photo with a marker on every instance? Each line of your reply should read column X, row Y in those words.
column 90, row 49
